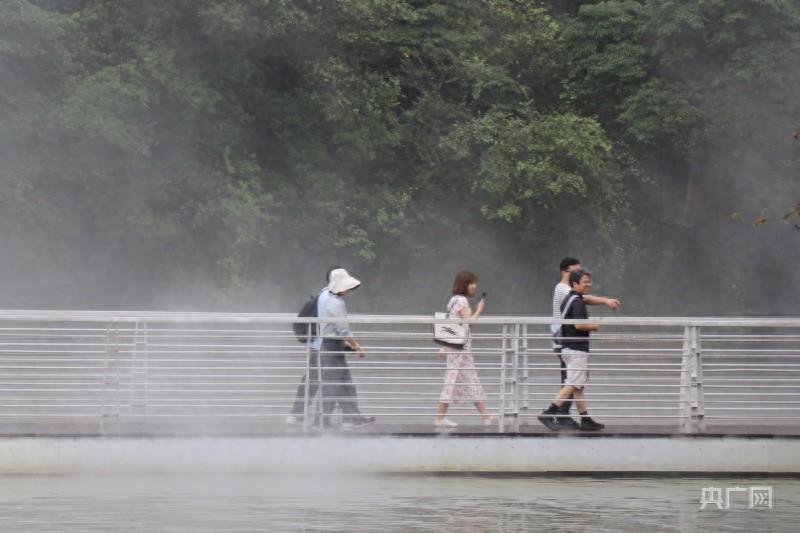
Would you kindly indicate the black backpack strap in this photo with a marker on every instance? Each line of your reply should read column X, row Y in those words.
column 566, row 307
column 557, row 337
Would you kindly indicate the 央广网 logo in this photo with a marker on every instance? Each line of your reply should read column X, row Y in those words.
column 759, row 497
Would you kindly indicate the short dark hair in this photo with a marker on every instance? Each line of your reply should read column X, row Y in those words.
column 575, row 277
column 462, row 281
column 568, row 262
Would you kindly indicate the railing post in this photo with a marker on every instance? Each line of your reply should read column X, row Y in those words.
column 501, row 416
column 105, row 401
column 111, row 378
column 524, row 378
column 118, row 379
column 698, row 407
column 146, row 371
column 515, row 377
column 134, row 366
column 307, row 395
column 139, row 370
column 692, row 404
column 320, row 386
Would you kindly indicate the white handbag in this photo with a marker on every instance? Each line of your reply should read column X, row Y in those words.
column 451, row 335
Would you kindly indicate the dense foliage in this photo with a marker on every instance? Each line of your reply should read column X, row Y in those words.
column 224, row 153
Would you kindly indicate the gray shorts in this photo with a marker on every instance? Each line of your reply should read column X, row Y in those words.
column 577, row 367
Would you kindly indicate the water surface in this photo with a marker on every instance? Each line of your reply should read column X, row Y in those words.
column 387, row 503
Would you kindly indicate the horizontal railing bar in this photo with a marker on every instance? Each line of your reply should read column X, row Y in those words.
column 740, row 337
column 759, row 418
column 708, row 386
column 707, row 370
column 738, row 350
column 99, row 388
column 258, row 349
column 301, row 365
column 412, row 351
column 752, row 408
column 395, row 395
column 78, row 352
column 363, row 367
column 377, row 409
column 288, row 318
column 748, row 366
column 760, row 402
column 50, row 415
column 282, row 415
column 758, row 394
column 717, row 380
column 59, row 405
column 751, row 356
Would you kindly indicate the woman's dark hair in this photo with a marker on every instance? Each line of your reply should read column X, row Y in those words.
column 575, row 277
column 462, row 281
column 568, row 262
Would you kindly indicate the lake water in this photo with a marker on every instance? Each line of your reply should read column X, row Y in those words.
column 385, row 502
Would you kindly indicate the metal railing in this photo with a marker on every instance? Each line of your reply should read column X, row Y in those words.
column 112, row 372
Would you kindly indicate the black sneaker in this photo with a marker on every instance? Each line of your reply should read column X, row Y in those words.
column 587, row 424
column 549, row 421
column 358, row 422
column 567, row 422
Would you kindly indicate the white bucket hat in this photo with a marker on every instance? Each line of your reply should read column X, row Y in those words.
column 341, row 280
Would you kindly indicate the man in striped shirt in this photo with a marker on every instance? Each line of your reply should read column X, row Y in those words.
column 562, row 289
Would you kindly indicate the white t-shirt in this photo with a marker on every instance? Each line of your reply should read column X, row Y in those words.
column 561, row 291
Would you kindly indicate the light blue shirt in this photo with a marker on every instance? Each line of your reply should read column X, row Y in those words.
column 333, row 306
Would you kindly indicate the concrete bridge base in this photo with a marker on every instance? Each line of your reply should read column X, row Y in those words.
column 376, row 453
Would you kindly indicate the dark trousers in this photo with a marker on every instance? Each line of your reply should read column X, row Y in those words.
column 337, row 383
column 565, row 407
column 300, row 397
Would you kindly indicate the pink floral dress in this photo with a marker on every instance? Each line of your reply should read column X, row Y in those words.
column 461, row 383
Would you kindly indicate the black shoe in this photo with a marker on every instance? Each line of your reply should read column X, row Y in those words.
column 587, row 424
column 549, row 421
column 358, row 422
column 567, row 422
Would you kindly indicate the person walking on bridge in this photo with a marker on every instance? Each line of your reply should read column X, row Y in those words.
column 336, row 338
column 574, row 342
column 312, row 380
column 330, row 345
column 461, row 383
column 560, row 292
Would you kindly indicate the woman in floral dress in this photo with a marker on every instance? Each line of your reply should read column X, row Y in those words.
column 461, row 383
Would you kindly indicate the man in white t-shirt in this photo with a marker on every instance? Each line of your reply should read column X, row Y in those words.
column 562, row 289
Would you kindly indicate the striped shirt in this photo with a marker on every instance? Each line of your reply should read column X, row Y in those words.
column 561, row 291
column 559, row 294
